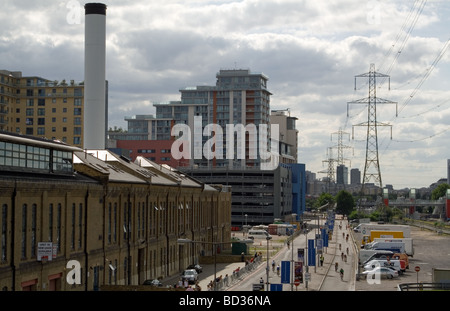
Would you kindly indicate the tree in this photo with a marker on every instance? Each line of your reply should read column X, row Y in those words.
column 440, row 191
column 344, row 202
column 324, row 198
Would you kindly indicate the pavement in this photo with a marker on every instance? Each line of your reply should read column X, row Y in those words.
column 322, row 278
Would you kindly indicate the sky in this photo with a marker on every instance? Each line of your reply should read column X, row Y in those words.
column 310, row 50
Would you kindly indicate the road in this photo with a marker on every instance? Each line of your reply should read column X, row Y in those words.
column 322, row 277
column 431, row 250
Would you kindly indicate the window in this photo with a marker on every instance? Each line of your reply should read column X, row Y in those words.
column 72, row 231
column 80, row 224
column 33, row 230
column 50, row 222
column 41, row 102
column 115, row 224
column 77, row 111
column 24, row 232
column 77, row 121
column 4, row 232
column 109, row 222
column 77, row 131
column 58, row 227
column 77, row 140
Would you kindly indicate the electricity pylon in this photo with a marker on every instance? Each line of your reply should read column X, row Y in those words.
column 330, row 169
column 372, row 163
column 340, row 148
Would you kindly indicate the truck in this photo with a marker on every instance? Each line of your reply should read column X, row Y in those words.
column 374, row 234
column 409, row 247
column 365, row 229
column 396, row 247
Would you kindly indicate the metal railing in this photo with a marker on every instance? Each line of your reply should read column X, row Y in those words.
column 423, row 286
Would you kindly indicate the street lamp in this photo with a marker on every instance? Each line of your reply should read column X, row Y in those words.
column 267, row 269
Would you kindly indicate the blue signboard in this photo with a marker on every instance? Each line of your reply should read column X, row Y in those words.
column 276, row 287
column 311, row 253
column 324, row 235
column 285, row 272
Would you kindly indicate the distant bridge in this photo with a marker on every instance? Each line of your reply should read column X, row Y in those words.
column 411, row 203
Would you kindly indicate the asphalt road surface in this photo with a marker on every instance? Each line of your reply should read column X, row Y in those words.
column 431, row 251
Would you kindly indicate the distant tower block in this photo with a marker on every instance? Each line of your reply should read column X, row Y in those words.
column 95, row 113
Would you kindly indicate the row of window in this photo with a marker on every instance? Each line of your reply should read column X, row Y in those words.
column 55, row 223
column 29, row 229
column 41, row 130
column 41, row 121
column 42, row 92
column 41, row 111
column 41, row 101
column 18, row 157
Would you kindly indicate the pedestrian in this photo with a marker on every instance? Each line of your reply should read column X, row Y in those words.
column 261, row 281
column 336, row 266
column 321, row 260
column 342, row 256
column 225, row 279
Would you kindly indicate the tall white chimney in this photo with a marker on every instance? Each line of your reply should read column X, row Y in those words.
column 95, row 113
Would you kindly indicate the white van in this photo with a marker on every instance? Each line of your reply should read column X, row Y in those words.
column 258, row 234
column 398, row 265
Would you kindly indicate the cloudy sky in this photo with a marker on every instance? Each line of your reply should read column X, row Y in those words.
column 311, row 51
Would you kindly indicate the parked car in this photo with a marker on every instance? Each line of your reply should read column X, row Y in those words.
column 398, row 265
column 190, row 275
column 154, row 282
column 197, row 268
column 386, row 272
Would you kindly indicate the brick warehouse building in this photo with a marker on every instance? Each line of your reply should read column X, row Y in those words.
column 118, row 219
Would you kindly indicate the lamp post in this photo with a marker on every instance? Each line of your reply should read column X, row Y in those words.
column 267, row 268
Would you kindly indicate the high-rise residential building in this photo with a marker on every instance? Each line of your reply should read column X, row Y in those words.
column 342, row 175
column 288, row 141
column 239, row 98
column 40, row 107
column 355, row 176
